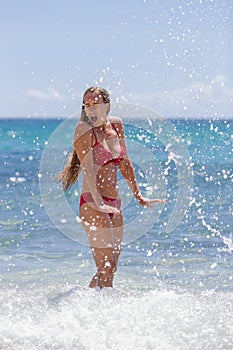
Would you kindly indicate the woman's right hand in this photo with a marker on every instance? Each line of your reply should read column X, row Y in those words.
column 109, row 209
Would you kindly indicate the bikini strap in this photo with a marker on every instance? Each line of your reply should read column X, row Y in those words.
column 96, row 140
column 114, row 127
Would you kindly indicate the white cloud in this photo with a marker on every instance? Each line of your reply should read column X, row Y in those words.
column 213, row 93
column 46, row 96
column 215, row 96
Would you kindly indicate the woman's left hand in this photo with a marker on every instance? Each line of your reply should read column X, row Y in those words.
column 146, row 202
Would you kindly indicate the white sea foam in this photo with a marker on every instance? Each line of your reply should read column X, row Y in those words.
column 73, row 318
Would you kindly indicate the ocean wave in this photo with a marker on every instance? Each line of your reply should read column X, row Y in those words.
column 80, row 318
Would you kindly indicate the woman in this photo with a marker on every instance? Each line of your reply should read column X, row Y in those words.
column 99, row 148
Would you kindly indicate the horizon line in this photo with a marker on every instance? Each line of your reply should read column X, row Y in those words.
column 163, row 117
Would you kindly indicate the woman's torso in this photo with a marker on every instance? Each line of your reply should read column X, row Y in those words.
column 107, row 153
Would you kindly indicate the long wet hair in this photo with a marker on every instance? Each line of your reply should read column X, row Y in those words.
column 71, row 171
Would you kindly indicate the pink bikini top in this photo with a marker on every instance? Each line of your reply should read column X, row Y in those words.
column 103, row 156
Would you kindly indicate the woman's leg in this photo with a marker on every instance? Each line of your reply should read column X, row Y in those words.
column 117, row 223
column 106, row 259
column 105, row 237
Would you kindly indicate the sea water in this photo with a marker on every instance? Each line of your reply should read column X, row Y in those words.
column 173, row 288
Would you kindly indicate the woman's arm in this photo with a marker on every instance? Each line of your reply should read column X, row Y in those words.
column 83, row 148
column 127, row 171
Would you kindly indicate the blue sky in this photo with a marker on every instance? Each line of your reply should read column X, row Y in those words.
column 174, row 57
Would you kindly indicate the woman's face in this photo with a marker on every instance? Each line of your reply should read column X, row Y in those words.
column 95, row 108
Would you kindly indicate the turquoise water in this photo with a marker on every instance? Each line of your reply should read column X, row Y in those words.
column 173, row 288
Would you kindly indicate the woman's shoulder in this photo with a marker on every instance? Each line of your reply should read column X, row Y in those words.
column 82, row 127
column 115, row 119
column 118, row 124
column 83, row 132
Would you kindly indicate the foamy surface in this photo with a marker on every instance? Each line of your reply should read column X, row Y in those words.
column 71, row 317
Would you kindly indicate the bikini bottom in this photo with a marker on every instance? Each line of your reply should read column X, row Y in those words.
column 86, row 197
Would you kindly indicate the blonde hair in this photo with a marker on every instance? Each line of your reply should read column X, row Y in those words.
column 69, row 174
